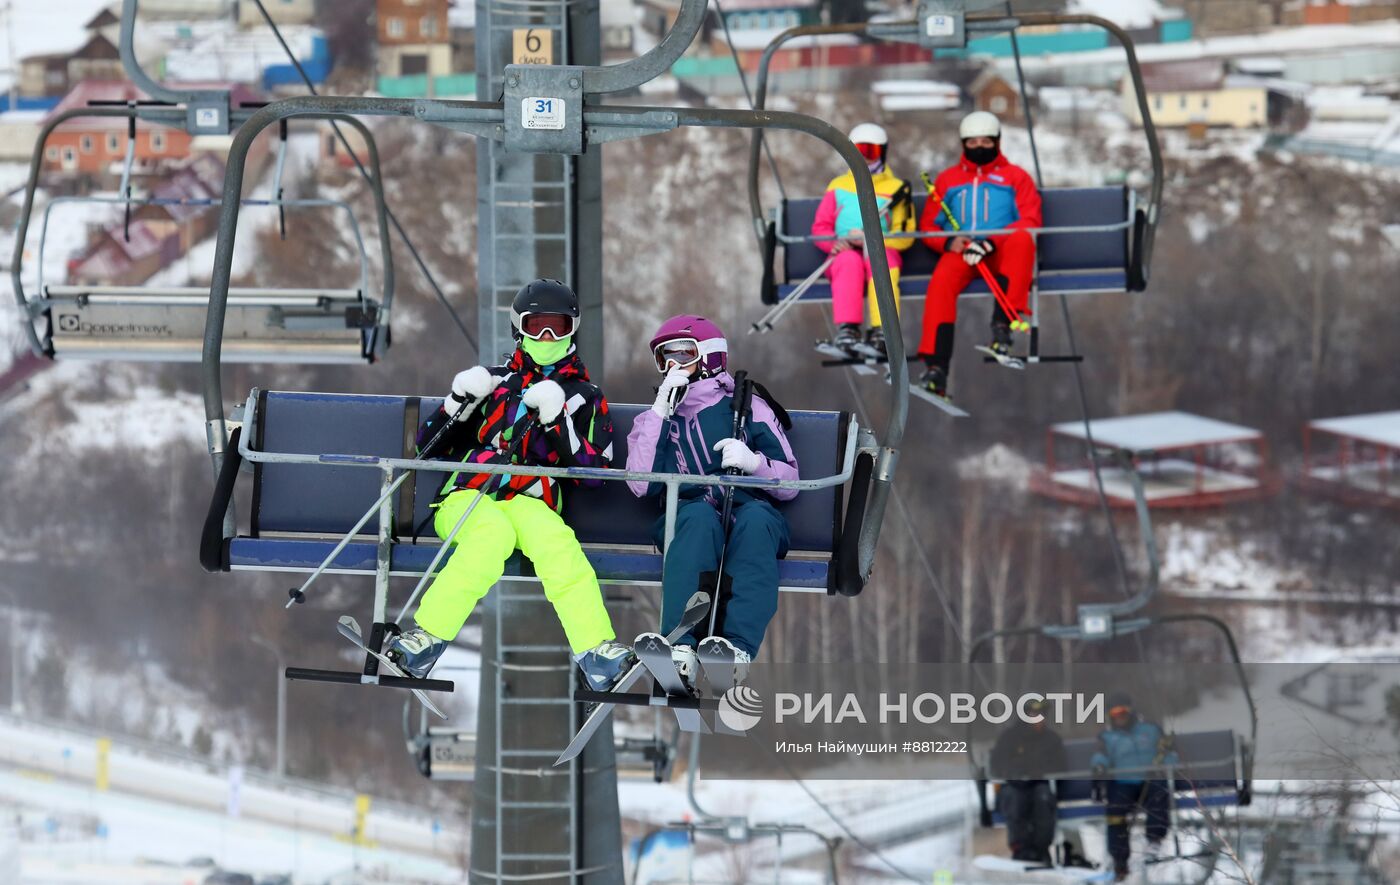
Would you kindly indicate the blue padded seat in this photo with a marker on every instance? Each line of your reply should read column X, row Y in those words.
column 294, row 502
column 1069, row 262
column 1207, row 777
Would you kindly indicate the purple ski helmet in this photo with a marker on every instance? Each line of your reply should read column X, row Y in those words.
column 710, row 346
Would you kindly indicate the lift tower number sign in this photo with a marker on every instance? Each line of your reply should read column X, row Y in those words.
column 542, row 113
column 532, row 46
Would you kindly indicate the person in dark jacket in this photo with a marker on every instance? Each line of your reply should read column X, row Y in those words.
column 1128, row 767
column 689, row 429
column 1025, row 756
column 539, row 409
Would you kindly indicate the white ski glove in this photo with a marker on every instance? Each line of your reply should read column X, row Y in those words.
column 546, row 398
column 470, row 386
column 671, row 392
column 734, row 453
column 977, row 250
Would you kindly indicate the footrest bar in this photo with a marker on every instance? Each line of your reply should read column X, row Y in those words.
column 630, row 699
column 305, row 674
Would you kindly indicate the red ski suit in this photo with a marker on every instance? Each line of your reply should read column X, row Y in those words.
column 997, row 196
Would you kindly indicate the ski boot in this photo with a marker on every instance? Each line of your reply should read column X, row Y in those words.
column 687, row 664
column 935, row 381
column 847, row 336
column 416, row 651
column 875, row 343
column 1001, row 337
column 604, row 665
column 741, row 666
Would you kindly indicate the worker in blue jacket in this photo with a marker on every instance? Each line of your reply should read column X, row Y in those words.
column 1128, row 766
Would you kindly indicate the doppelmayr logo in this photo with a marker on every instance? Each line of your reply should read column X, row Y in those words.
column 928, row 708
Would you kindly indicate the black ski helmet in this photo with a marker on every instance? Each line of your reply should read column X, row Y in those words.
column 543, row 296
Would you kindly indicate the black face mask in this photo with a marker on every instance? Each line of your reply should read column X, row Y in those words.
column 981, row 156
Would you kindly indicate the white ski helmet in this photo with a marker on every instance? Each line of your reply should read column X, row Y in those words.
column 979, row 123
column 869, row 133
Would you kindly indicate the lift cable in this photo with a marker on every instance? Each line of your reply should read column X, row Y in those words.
column 1119, row 561
column 748, row 96
column 364, row 173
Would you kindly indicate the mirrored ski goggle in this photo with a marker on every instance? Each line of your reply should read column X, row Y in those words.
column 1120, row 711
column 870, row 151
column 678, row 353
column 534, row 325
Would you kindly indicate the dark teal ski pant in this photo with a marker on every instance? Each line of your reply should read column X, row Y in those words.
column 748, row 595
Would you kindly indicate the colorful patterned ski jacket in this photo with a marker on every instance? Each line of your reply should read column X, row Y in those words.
column 580, row 437
column 839, row 212
column 1139, row 751
column 997, row 196
column 684, row 443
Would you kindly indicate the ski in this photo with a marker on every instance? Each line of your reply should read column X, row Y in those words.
column 831, row 350
column 695, row 611
column 1006, row 359
column 350, row 629
column 870, row 352
column 717, row 663
column 941, row 402
column 991, row 863
column 654, row 652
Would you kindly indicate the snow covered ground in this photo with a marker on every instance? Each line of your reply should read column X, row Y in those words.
column 168, row 809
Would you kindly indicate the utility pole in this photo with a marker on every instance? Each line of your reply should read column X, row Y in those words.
column 281, row 764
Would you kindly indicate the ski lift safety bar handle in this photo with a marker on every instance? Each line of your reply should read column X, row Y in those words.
column 603, row 473
column 174, row 117
column 296, row 203
column 493, row 114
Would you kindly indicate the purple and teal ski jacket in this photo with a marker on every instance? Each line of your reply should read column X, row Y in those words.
column 684, row 443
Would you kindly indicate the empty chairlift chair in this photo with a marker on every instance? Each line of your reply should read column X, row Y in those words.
column 95, row 318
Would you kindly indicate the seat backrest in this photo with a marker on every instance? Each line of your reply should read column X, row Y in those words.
column 329, row 499
column 1207, row 757
column 1082, row 207
column 1060, row 207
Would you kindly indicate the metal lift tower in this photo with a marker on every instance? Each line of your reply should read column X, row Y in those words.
column 539, row 215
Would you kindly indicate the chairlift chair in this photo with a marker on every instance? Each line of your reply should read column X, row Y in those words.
column 324, row 464
column 1218, row 765
column 165, row 324
column 1093, row 240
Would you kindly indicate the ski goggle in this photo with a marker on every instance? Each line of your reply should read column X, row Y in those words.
column 678, row 352
column 871, row 151
column 534, row 325
column 1117, row 712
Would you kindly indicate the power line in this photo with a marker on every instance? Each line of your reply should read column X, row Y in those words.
column 364, row 173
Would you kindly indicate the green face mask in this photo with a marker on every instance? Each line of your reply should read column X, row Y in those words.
column 546, row 353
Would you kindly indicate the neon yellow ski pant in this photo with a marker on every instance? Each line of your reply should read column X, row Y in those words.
column 490, row 535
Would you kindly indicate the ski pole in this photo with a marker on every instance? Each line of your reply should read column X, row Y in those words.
column 511, row 452
column 743, row 398
column 767, row 321
column 1017, row 324
column 298, row 594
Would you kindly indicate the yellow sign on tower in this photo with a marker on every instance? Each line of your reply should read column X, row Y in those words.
column 532, row 46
